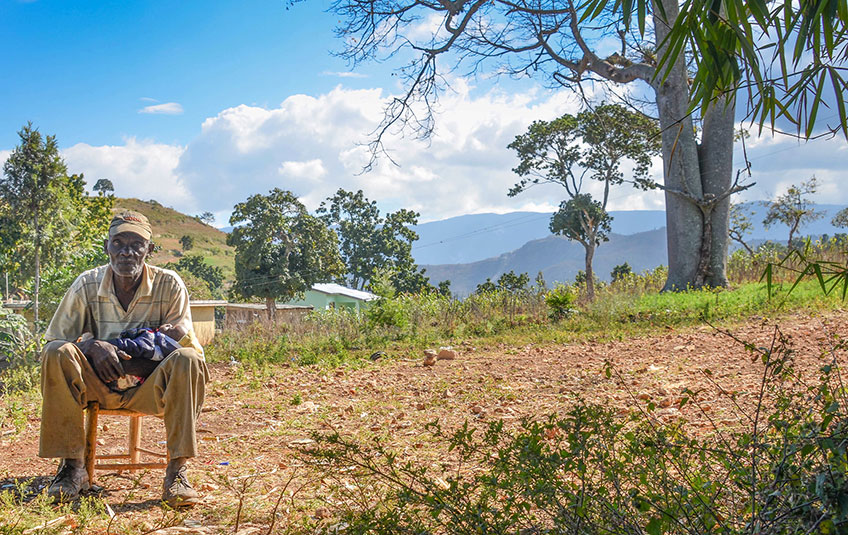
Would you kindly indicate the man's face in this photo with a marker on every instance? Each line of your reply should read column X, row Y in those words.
column 127, row 251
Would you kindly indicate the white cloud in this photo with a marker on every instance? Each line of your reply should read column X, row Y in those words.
column 311, row 170
column 147, row 99
column 138, row 168
column 465, row 168
column 313, row 145
column 167, row 108
column 344, row 74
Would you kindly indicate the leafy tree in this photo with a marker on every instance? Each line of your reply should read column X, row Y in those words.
column 740, row 225
column 369, row 241
column 211, row 276
column 620, row 271
column 486, row 287
column 281, row 250
column 585, row 221
column 793, row 209
column 187, row 242
column 356, row 221
column 207, row 218
column 594, row 143
column 556, row 42
column 840, row 220
column 507, row 282
column 511, row 282
column 47, row 216
column 104, row 186
column 444, row 288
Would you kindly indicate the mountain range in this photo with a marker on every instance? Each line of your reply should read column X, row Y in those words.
column 469, row 249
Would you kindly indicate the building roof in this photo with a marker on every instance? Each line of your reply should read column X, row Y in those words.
column 337, row 289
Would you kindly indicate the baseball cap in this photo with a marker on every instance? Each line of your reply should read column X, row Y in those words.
column 130, row 221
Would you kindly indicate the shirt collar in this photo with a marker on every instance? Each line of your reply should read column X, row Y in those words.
column 107, row 289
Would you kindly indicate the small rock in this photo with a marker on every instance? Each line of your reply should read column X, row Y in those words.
column 430, row 360
column 105, row 427
column 446, row 353
column 307, row 406
column 441, row 483
column 430, row 353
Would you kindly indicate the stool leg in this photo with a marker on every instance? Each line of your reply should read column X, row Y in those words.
column 135, row 438
column 91, row 438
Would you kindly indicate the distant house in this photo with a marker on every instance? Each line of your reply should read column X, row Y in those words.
column 328, row 295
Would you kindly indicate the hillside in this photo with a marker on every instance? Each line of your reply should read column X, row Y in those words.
column 558, row 259
column 169, row 225
column 470, row 238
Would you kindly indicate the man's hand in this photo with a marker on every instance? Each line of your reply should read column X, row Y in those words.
column 105, row 359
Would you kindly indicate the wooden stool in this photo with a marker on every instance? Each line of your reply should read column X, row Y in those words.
column 93, row 410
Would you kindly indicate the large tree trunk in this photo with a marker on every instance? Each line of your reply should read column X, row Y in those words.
column 716, row 159
column 271, row 307
column 590, row 273
column 684, row 174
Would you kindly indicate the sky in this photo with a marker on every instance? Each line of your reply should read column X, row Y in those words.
column 200, row 105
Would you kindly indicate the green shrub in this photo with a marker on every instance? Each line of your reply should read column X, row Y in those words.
column 562, row 301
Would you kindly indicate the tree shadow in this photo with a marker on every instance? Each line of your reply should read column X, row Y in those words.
column 128, row 506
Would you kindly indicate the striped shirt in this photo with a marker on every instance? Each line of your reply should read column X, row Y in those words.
column 91, row 306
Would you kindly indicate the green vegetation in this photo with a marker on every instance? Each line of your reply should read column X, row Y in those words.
column 194, row 268
column 46, row 216
column 281, row 250
column 369, row 242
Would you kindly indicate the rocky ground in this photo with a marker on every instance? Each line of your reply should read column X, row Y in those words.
column 253, row 422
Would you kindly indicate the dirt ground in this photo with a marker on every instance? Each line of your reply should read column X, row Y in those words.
column 251, row 422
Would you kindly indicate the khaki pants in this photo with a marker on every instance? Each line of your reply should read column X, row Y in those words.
column 174, row 391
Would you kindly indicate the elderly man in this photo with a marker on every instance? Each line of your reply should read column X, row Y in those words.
column 125, row 294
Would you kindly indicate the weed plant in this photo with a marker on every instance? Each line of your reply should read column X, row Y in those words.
column 784, row 470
